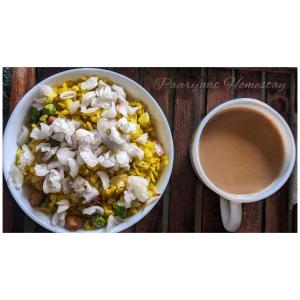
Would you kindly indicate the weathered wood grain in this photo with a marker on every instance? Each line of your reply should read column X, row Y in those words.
column 13, row 217
column 9, row 206
column 189, row 206
column 293, row 189
column 43, row 73
column 221, row 92
column 152, row 77
column 199, row 184
column 277, row 205
column 22, row 80
column 252, row 212
column 294, row 218
column 132, row 73
column 184, row 181
column 270, row 69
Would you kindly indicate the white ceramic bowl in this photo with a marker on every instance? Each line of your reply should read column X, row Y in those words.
column 20, row 113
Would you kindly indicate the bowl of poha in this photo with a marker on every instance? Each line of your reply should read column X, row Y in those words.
column 82, row 152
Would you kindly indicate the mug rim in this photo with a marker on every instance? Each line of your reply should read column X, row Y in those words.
column 245, row 198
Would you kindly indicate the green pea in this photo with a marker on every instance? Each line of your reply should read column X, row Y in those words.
column 43, row 118
column 34, row 114
column 49, row 109
column 120, row 211
column 98, row 221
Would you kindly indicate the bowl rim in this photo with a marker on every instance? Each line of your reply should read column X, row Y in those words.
column 129, row 221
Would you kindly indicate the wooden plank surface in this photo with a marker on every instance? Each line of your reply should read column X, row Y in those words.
column 271, row 70
column 198, row 207
column 219, row 93
column 22, row 80
column 252, row 212
column 183, row 182
column 187, row 205
column 151, row 78
column 294, row 218
column 277, row 205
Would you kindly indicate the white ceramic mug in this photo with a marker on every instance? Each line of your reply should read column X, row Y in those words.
column 231, row 204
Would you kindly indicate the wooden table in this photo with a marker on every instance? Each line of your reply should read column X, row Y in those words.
column 186, row 95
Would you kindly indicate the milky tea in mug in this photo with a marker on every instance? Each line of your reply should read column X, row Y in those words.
column 241, row 150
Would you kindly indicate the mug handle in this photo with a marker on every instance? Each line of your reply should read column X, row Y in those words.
column 231, row 214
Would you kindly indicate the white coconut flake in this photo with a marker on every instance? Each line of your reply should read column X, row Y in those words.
column 88, row 156
column 79, row 185
column 26, row 157
column 105, row 93
column 105, row 161
column 79, row 160
column 67, row 127
column 104, row 124
column 84, row 189
column 49, row 154
column 132, row 109
column 101, row 83
column 126, row 126
column 46, row 149
column 63, row 154
column 87, row 98
column 110, row 113
column 59, row 216
column 120, row 92
column 45, row 89
column 142, row 140
column 63, row 205
column 74, row 106
column 104, row 179
column 123, row 159
column 90, row 194
column 23, row 136
column 52, row 182
column 89, row 84
column 133, row 151
column 43, row 147
column 99, row 150
column 139, row 185
column 158, row 149
column 67, row 95
column 122, row 109
column 84, row 136
column 128, row 198
column 85, row 110
column 41, row 133
column 16, row 176
column 41, row 169
column 74, row 167
column 115, row 136
column 104, row 98
column 93, row 210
